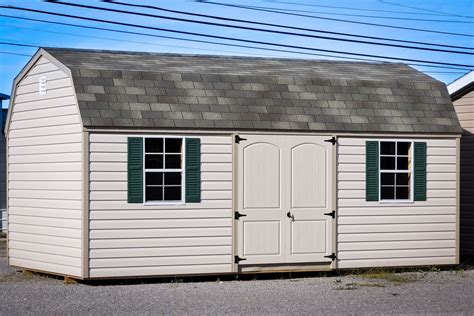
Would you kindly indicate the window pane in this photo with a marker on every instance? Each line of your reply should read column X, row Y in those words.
column 403, row 179
column 173, row 145
column 402, row 163
column 154, row 178
column 154, row 145
column 387, row 163
column 403, row 148
column 173, row 178
column 403, row 193
column 154, row 194
column 172, row 193
column 173, row 162
column 153, row 161
column 387, row 179
column 387, row 193
column 387, row 148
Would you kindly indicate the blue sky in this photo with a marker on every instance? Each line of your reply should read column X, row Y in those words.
column 459, row 13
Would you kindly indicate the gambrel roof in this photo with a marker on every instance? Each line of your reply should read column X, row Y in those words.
column 154, row 90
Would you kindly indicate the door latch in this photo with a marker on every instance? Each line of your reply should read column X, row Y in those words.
column 331, row 256
column 289, row 215
column 237, row 215
column 332, row 214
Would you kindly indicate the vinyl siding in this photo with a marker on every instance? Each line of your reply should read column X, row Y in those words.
column 45, row 174
column 144, row 240
column 375, row 234
column 465, row 110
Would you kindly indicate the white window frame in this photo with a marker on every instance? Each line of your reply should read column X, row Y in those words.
column 182, row 170
column 411, row 170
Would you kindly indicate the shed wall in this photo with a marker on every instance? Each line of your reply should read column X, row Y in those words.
column 375, row 234
column 464, row 107
column 44, row 174
column 143, row 240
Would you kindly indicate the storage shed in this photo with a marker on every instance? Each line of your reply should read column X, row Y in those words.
column 124, row 164
column 462, row 95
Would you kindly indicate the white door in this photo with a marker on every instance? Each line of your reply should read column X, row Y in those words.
column 284, row 190
column 309, row 199
column 261, row 191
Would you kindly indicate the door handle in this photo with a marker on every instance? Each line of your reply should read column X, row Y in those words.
column 289, row 215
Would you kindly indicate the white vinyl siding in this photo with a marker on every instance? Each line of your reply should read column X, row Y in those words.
column 45, row 174
column 128, row 239
column 375, row 234
column 464, row 107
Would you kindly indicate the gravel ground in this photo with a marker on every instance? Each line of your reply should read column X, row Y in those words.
column 435, row 292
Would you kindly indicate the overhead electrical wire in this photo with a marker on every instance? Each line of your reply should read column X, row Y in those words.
column 285, row 12
column 248, row 28
column 378, row 17
column 235, row 39
column 216, row 43
column 12, row 53
column 36, row 45
column 139, row 42
column 425, row 10
column 373, row 16
column 352, row 8
column 280, row 25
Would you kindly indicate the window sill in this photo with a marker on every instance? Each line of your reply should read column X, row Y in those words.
column 402, row 202
column 177, row 203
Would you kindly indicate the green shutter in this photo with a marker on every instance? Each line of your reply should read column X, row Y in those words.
column 193, row 170
column 420, row 171
column 372, row 171
column 135, row 170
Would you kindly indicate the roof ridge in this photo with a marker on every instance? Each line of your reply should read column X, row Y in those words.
column 105, row 51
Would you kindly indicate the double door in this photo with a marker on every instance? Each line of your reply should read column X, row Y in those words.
column 284, row 191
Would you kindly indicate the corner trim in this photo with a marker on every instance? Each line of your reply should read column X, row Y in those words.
column 85, row 205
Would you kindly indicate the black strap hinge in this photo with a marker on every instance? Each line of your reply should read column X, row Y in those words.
column 333, row 141
column 237, row 259
column 237, row 215
column 331, row 256
column 238, row 139
column 332, row 214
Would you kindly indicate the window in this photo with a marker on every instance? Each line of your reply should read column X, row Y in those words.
column 163, row 169
column 395, row 170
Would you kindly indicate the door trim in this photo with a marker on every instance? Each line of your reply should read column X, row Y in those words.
column 311, row 266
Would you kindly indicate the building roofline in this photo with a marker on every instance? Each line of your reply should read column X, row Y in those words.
column 461, row 85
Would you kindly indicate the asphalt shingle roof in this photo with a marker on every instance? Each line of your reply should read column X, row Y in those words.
column 150, row 90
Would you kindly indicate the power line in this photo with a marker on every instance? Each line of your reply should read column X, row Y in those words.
column 235, row 39
column 426, row 10
column 254, row 28
column 378, row 16
column 39, row 45
column 205, row 42
column 280, row 25
column 17, row 54
column 18, row 44
column 352, row 8
column 138, row 42
column 283, row 11
column 213, row 43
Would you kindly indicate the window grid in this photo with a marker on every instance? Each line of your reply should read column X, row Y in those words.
column 396, row 171
column 164, row 171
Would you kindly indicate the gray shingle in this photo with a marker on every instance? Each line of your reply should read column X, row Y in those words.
column 127, row 89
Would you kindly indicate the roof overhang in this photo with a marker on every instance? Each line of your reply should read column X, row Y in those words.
column 461, row 86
